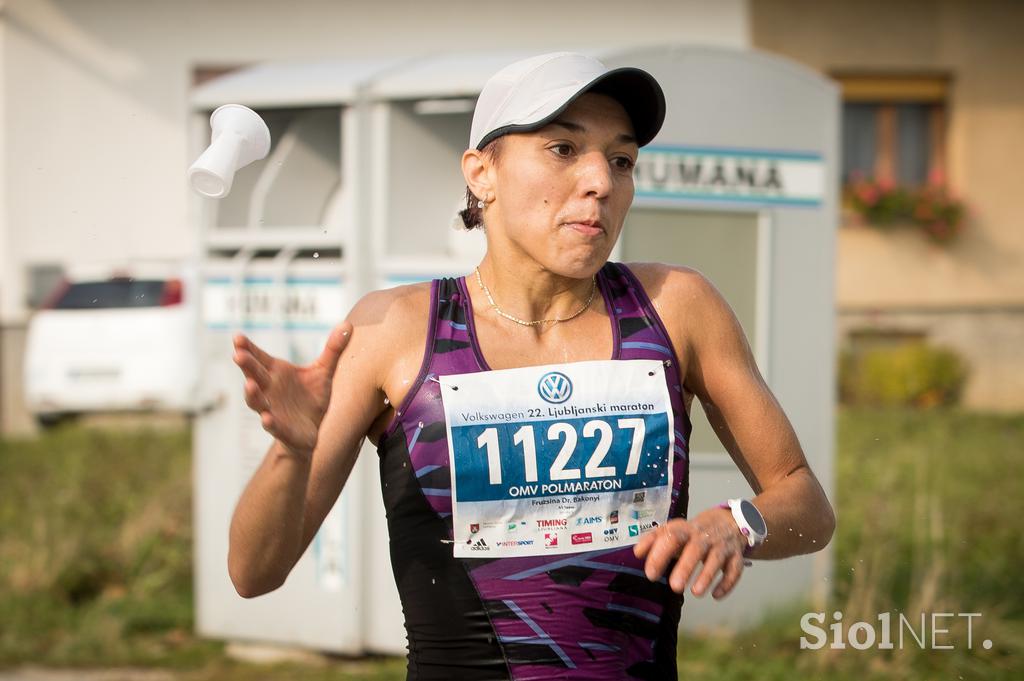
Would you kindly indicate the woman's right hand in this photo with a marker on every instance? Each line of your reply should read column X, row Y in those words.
column 291, row 400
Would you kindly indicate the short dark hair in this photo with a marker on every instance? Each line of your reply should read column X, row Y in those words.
column 473, row 216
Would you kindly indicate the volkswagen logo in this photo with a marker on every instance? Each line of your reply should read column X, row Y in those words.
column 554, row 387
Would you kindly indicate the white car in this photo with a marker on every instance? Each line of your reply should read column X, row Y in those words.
column 124, row 342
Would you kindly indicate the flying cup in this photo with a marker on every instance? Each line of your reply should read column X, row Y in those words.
column 239, row 137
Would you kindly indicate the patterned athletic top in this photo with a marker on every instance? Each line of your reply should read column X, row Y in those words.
column 590, row 615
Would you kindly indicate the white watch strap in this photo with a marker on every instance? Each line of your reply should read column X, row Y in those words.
column 754, row 537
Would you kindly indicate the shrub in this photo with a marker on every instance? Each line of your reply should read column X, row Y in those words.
column 914, row 374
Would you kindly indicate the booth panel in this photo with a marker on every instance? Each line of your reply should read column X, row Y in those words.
column 740, row 98
column 304, row 171
column 288, row 309
column 424, row 179
column 723, row 246
column 293, row 185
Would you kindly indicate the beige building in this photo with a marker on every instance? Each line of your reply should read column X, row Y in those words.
column 94, row 132
column 940, row 84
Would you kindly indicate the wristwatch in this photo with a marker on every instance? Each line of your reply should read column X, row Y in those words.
column 749, row 520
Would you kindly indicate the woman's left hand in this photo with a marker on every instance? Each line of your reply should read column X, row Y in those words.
column 712, row 538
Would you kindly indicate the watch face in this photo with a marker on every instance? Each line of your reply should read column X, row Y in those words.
column 753, row 518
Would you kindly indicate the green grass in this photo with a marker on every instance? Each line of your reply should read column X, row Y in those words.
column 926, row 503
column 95, row 559
column 95, row 556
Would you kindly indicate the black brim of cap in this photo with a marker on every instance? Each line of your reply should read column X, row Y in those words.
column 635, row 89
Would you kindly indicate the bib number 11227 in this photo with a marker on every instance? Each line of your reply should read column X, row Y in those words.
column 596, row 466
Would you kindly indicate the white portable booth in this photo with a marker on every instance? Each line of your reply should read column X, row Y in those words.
column 360, row 191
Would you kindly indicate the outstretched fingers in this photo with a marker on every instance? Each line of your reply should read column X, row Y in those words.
column 244, row 343
column 730, row 577
column 255, row 398
column 252, row 369
column 251, row 366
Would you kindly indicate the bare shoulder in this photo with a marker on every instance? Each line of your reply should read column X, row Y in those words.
column 676, row 290
column 388, row 326
column 392, row 310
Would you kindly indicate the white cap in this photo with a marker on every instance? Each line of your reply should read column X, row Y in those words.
column 531, row 93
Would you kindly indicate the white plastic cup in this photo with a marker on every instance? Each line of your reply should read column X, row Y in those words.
column 239, row 137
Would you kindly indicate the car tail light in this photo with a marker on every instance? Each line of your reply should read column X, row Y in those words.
column 171, row 294
column 56, row 295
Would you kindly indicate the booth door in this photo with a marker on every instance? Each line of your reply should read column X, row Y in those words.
column 723, row 247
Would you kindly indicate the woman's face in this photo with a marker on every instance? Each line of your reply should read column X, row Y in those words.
column 561, row 193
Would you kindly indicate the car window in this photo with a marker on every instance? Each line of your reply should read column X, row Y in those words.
column 91, row 295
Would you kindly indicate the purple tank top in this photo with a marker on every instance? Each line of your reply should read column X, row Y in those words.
column 589, row 615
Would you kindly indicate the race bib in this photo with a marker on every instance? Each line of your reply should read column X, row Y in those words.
column 559, row 458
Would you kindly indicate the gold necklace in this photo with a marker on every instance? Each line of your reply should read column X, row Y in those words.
column 523, row 322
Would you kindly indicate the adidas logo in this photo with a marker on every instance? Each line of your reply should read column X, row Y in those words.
column 480, row 545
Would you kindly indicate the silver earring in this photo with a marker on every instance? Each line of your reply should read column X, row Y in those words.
column 480, row 204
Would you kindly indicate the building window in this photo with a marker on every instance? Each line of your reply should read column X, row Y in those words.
column 41, row 282
column 894, row 128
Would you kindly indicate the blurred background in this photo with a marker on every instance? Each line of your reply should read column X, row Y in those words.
column 123, row 436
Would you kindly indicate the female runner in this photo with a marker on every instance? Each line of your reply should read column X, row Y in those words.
column 532, row 417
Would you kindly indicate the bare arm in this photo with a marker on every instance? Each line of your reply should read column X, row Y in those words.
column 754, row 429
column 721, row 372
column 291, row 492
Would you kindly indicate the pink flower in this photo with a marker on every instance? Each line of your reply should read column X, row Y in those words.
column 868, row 194
column 923, row 211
